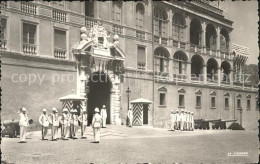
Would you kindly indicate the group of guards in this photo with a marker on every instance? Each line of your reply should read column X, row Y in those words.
column 70, row 122
column 182, row 120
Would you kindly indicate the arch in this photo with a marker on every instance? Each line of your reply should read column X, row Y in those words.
column 117, row 11
column 140, row 15
column 180, row 62
column 178, row 26
column 225, row 68
column 224, row 40
column 211, row 37
column 195, row 31
column 160, row 21
column 178, row 19
column 160, row 13
column 212, row 69
column 161, row 59
column 197, row 63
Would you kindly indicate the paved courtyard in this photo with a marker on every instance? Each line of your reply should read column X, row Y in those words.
column 136, row 145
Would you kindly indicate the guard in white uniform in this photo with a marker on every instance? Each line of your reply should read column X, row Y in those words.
column 44, row 121
column 130, row 116
column 54, row 121
column 96, row 124
column 24, row 123
column 83, row 118
column 75, row 124
column 192, row 121
column 104, row 116
column 182, row 119
column 65, row 124
column 177, row 118
column 173, row 120
column 188, row 120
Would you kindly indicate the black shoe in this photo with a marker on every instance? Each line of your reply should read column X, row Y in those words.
column 97, row 142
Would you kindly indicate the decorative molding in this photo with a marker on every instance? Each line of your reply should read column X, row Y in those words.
column 162, row 89
column 239, row 96
column 198, row 92
column 226, row 94
column 181, row 90
column 248, row 96
column 213, row 93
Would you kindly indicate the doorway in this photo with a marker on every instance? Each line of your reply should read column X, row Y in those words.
column 99, row 94
column 145, row 114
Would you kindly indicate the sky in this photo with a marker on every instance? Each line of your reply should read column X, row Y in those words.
column 244, row 14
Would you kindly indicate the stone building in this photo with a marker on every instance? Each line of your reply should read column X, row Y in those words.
column 180, row 56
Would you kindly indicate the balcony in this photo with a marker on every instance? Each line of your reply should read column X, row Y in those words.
column 180, row 77
column 141, row 66
column 140, row 35
column 29, row 7
column 59, row 15
column 3, row 44
column 29, row 49
column 117, row 29
column 90, row 22
column 60, row 53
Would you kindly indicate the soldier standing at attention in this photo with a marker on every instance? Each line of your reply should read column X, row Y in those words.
column 54, row 121
column 192, row 121
column 173, row 119
column 44, row 121
column 182, row 119
column 65, row 124
column 23, row 124
column 71, row 124
column 75, row 124
column 177, row 118
column 83, row 118
column 96, row 124
column 185, row 120
column 104, row 116
column 130, row 116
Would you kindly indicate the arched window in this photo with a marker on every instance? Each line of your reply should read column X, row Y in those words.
column 180, row 63
column 212, row 70
column 161, row 59
column 224, row 40
column 139, row 16
column 178, row 27
column 116, row 11
column 160, row 22
column 195, row 32
column 225, row 68
column 211, row 37
column 196, row 67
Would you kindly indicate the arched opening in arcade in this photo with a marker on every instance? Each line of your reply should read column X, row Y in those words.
column 197, row 63
column 178, row 26
column 180, row 63
column 161, row 59
column 139, row 16
column 212, row 70
column 224, row 40
column 225, row 68
column 195, row 32
column 99, row 94
column 160, row 21
column 211, row 37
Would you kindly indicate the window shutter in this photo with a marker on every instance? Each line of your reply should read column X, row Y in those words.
column 182, row 34
column 156, row 27
column 165, row 62
column 141, row 57
column 60, row 39
column 164, row 29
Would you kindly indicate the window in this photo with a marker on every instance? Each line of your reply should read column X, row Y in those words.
column 178, row 27
column 179, row 63
column 256, row 104
column 226, row 103
column 181, row 101
column 58, row 4
column 248, row 104
column 198, row 101
column 89, row 8
column 161, row 60
column 213, row 102
column 116, row 12
column 59, row 44
column 3, row 28
column 162, row 99
column 160, row 21
column 29, row 33
column 139, row 16
column 141, row 57
column 238, row 103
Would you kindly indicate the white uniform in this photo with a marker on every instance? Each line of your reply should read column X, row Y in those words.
column 192, row 122
column 44, row 121
column 23, row 125
column 130, row 117
column 103, row 114
column 54, row 121
column 75, row 125
column 173, row 120
column 65, row 121
column 182, row 120
column 83, row 118
column 178, row 119
column 96, row 124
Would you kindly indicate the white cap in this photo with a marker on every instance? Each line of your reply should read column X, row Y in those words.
column 96, row 110
column 104, row 106
column 84, row 110
column 44, row 110
column 54, row 109
column 24, row 109
column 65, row 110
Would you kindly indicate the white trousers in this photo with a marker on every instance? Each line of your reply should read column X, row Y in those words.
column 54, row 132
column 96, row 132
column 130, row 122
column 23, row 131
column 104, row 119
column 172, row 125
column 84, row 129
column 45, row 131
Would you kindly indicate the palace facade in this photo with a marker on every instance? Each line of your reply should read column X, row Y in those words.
column 174, row 54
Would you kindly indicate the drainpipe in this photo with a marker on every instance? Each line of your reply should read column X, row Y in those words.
column 152, row 6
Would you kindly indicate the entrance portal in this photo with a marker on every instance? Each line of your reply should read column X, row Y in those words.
column 99, row 94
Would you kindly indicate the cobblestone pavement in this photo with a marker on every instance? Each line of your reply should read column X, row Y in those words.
column 137, row 144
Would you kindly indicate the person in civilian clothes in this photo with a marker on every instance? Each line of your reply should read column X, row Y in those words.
column 44, row 121
column 182, row 119
column 83, row 118
column 75, row 124
column 23, row 123
column 96, row 124
column 192, row 121
column 104, row 116
column 177, row 118
column 173, row 119
column 130, row 116
column 65, row 124
column 54, row 121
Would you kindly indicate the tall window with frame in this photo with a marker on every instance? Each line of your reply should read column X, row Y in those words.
column 58, row 4
column 141, row 57
column 213, row 100
column 226, row 100
column 59, row 44
column 198, row 95
column 3, row 34
column 181, row 93
column 161, row 60
column 257, row 104
column 178, row 27
column 248, row 102
column 29, row 38
column 160, row 22
column 180, row 63
column 139, row 16
column 117, row 12
column 89, row 8
column 162, row 96
column 238, row 103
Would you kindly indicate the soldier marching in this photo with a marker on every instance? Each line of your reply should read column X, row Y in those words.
column 182, row 120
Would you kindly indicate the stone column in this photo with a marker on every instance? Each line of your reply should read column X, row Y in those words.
column 203, row 35
column 219, row 76
column 205, row 74
column 218, row 39
column 188, row 29
column 231, row 78
column 188, row 71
